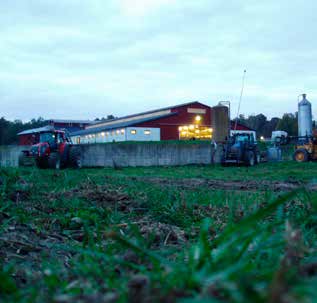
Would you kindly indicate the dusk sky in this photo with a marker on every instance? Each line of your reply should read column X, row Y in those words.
column 81, row 59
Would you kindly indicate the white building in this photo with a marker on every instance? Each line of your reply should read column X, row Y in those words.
column 116, row 134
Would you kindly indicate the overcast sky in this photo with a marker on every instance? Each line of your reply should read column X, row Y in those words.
column 84, row 59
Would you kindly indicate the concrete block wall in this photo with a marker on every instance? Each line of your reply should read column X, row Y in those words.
column 9, row 154
column 129, row 154
column 145, row 154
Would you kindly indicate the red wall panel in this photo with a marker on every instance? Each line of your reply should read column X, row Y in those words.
column 169, row 125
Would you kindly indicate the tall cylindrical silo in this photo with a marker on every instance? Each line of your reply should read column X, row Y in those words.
column 220, row 123
column 305, row 118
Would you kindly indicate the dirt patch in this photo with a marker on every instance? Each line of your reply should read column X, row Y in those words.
column 99, row 195
column 163, row 234
column 26, row 246
column 248, row 185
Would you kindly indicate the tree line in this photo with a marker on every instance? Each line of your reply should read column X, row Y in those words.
column 264, row 126
column 10, row 129
column 260, row 123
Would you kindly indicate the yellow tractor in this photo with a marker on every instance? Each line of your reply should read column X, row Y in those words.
column 306, row 149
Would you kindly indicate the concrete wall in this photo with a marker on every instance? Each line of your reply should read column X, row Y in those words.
column 9, row 154
column 129, row 154
column 145, row 154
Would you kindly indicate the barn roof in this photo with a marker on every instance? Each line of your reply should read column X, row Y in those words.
column 241, row 125
column 36, row 130
column 147, row 113
column 118, row 125
column 72, row 121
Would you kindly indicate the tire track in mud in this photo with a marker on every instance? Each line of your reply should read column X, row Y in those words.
column 230, row 185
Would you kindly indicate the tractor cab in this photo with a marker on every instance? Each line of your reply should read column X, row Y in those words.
column 54, row 137
column 243, row 139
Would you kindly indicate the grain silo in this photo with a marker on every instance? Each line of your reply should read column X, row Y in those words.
column 220, row 122
column 305, row 118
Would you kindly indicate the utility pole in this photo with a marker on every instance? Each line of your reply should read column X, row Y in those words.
column 241, row 94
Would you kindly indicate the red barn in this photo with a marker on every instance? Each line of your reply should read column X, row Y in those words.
column 31, row 136
column 191, row 120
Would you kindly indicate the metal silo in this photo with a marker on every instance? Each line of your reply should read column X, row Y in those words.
column 304, row 117
column 220, row 122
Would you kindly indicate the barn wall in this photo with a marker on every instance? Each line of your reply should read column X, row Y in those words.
column 169, row 125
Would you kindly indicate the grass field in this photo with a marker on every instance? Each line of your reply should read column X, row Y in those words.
column 182, row 234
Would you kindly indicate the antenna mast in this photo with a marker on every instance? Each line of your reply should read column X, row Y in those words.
column 241, row 94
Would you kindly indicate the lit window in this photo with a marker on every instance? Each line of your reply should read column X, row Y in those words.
column 147, row 132
column 117, row 132
column 133, row 131
column 180, row 128
column 103, row 134
column 107, row 133
column 122, row 131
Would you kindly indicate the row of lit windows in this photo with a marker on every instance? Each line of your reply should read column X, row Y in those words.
column 117, row 132
column 146, row 132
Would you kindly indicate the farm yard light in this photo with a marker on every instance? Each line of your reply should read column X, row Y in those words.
column 262, row 138
column 198, row 118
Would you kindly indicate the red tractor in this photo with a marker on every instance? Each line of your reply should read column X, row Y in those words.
column 54, row 150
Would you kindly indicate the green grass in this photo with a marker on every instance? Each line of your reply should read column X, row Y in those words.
column 103, row 234
column 283, row 171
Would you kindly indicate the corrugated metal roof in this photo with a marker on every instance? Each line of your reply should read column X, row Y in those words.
column 118, row 125
column 152, row 111
column 72, row 121
column 36, row 130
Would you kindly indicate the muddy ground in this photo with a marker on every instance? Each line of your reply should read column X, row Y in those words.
column 230, row 185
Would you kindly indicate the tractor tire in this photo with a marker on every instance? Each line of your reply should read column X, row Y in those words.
column 257, row 158
column 301, row 155
column 250, row 159
column 54, row 161
column 41, row 162
column 22, row 159
column 75, row 157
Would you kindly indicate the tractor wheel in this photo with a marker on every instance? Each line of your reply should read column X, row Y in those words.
column 41, row 162
column 75, row 157
column 54, row 161
column 301, row 155
column 257, row 158
column 22, row 159
column 250, row 159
